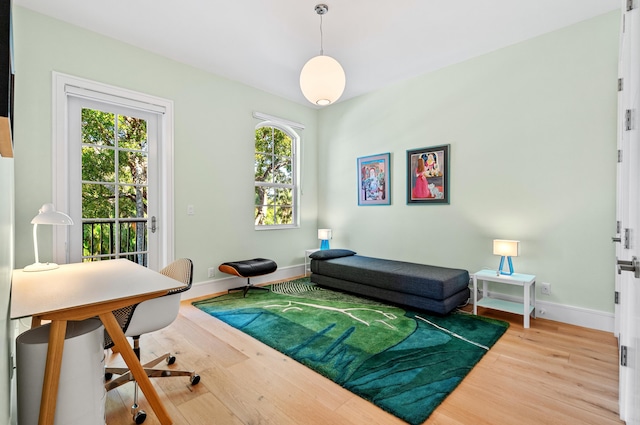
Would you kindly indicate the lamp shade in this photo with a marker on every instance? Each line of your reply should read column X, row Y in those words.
column 324, row 234
column 47, row 214
column 322, row 80
column 505, row 248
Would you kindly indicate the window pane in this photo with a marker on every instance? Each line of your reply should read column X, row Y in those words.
column 263, row 168
column 284, row 200
column 264, row 215
column 132, row 133
column 264, row 140
column 98, row 201
column 133, row 237
column 133, row 167
column 98, row 127
column 98, row 164
column 282, row 144
column 97, row 238
column 133, row 201
column 282, row 172
column 284, row 215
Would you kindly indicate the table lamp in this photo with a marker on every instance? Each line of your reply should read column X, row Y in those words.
column 324, row 235
column 508, row 249
column 46, row 215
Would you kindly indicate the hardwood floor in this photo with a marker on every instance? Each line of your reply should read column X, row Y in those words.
column 552, row 373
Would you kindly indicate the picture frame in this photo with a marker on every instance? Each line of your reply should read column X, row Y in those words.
column 428, row 183
column 374, row 179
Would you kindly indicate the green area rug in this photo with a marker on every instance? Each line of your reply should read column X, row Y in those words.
column 402, row 361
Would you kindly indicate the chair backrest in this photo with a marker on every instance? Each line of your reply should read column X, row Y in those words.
column 157, row 313
column 182, row 271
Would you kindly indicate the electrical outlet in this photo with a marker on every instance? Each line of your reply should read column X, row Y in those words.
column 191, row 210
column 211, row 271
column 545, row 288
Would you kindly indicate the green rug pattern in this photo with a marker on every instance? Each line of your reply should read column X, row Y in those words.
column 402, row 361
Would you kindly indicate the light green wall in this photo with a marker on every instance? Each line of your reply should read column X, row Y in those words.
column 532, row 130
column 213, row 142
column 531, row 127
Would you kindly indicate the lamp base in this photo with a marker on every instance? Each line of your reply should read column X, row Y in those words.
column 40, row 267
column 510, row 272
column 324, row 244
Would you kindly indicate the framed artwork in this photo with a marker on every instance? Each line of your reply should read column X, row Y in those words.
column 428, row 175
column 374, row 180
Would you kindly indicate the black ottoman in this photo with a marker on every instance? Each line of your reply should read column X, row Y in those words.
column 249, row 269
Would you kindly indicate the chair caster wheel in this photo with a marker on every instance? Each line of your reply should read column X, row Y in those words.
column 108, row 376
column 140, row 416
column 171, row 359
column 195, row 379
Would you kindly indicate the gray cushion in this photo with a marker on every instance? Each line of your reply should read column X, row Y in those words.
column 328, row 254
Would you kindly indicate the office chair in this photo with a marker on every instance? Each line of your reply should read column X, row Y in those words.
column 145, row 317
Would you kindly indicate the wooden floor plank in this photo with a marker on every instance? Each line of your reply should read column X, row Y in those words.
column 551, row 373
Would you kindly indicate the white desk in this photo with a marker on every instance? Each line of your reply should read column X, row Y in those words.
column 77, row 292
column 526, row 281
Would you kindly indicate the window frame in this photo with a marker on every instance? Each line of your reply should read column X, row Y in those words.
column 65, row 87
column 295, row 164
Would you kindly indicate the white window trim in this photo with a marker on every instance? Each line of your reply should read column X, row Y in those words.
column 288, row 127
column 64, row 85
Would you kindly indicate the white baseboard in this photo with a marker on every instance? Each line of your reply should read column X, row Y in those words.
column 208, row 287
column 587, row 318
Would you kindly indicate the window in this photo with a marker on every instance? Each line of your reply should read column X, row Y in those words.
column 276, row 191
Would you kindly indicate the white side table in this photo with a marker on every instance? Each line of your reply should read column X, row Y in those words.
column 526, row 281
column 307, row 260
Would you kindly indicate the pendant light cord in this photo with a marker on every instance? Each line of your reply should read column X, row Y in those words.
column 321, row 38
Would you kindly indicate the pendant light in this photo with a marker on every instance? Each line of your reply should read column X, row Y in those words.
column 322, row 78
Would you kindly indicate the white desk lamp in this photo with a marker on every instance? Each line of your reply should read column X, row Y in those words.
column 46, row 215
column 324, row 235
column 508, row 249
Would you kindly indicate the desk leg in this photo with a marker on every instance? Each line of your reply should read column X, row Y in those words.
column 526, row 304
column 35, row 321
column 475, row 295
column 121, row 343
column 57, row 333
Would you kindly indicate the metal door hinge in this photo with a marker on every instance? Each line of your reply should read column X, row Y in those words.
column 618, row 227
column 623, row 355
column 619, row 155
column 628, row 120
column 617, row 297
column 153, row 224
column 627, row 238
column 620, row 84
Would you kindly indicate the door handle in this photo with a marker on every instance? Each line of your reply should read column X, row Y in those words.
column 616, row 239
column 632, row 265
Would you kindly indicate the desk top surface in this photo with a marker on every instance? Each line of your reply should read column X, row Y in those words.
column 495, row 277
column 81, row 284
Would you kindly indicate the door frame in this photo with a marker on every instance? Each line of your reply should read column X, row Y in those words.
column 63, row 86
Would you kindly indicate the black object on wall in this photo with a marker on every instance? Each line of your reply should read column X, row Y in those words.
column 6, row 60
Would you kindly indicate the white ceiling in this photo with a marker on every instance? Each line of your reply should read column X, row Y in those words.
column 265, row 43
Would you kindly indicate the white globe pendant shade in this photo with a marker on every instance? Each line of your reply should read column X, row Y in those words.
column 322, row 80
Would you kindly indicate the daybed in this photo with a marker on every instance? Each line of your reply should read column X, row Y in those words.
column 434, row 289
